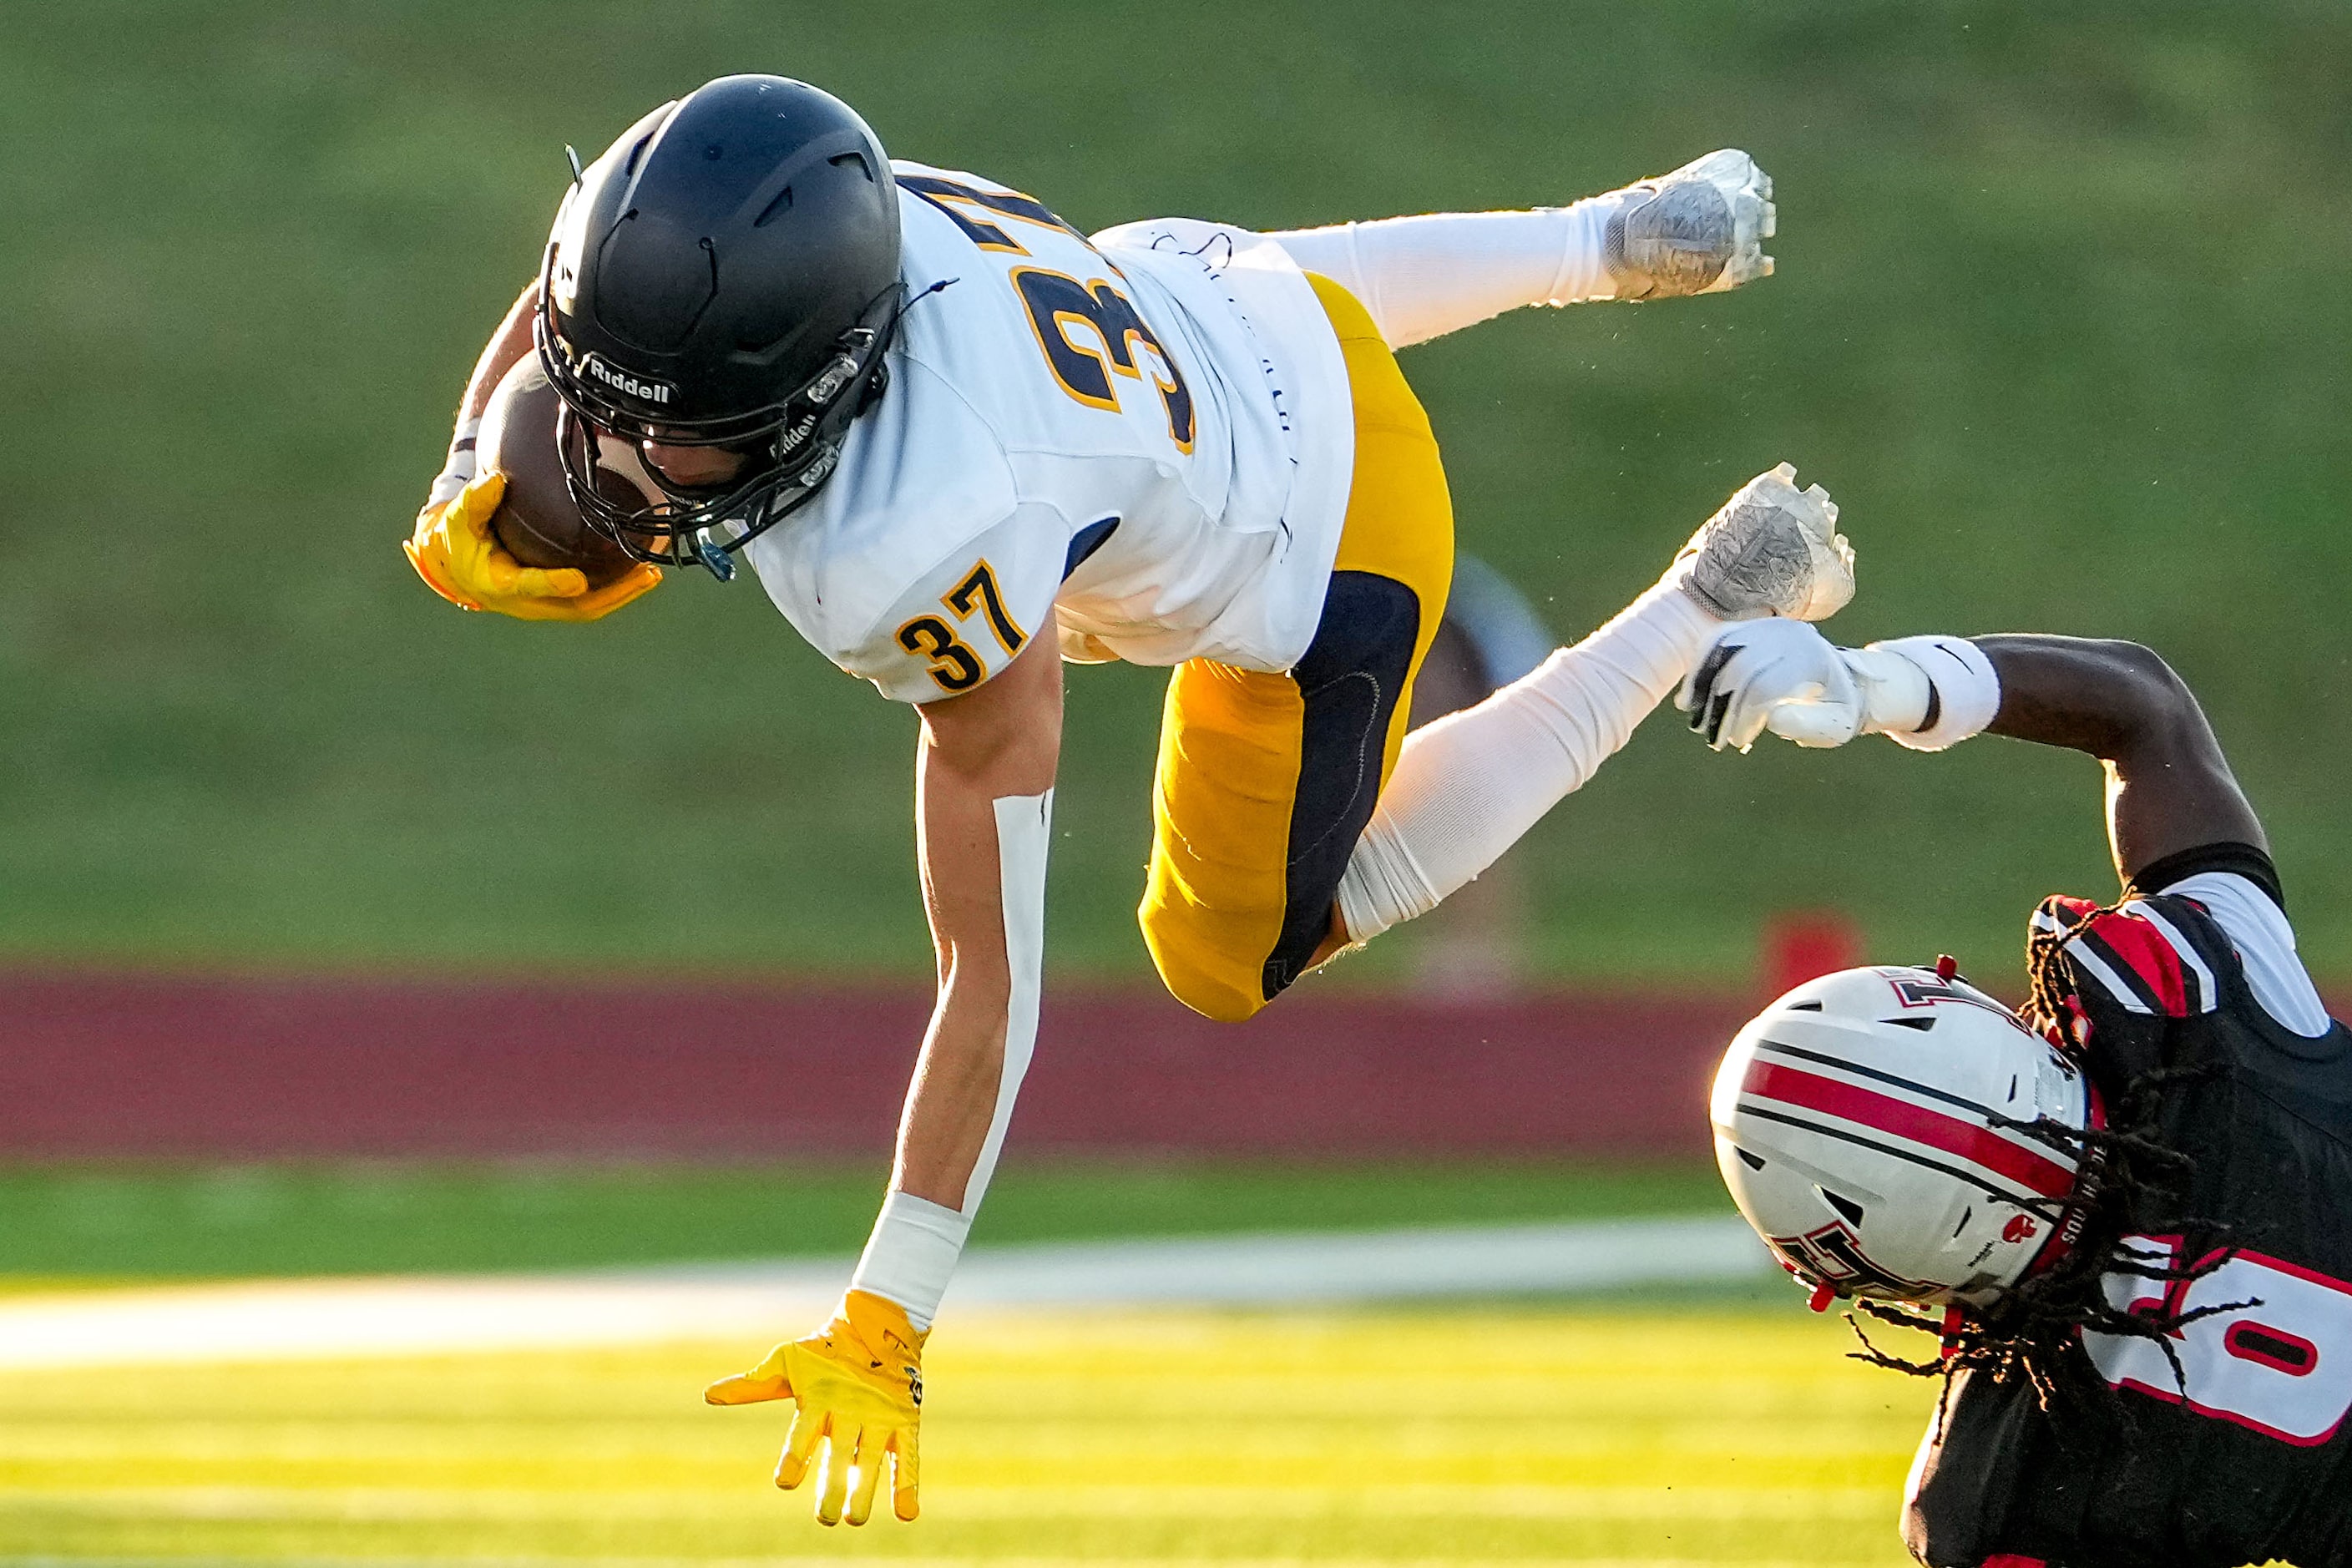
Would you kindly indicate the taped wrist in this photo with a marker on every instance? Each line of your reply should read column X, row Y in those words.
column 1895, row 692
column 458, row 469
column 911, row 1254
column 1468, row 786
column 1925, row 693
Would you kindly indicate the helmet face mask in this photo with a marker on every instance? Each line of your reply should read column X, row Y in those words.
column 726, row 276
column 789, row 448
column 1897, row 1134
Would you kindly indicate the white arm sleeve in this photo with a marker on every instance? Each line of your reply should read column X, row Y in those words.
column 915, row 1242
column 1421, row 277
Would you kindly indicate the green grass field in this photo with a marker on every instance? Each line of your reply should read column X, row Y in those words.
column 132, row 1224
column 1714, row 1424
column 1624, row 1435
column 2059, row 320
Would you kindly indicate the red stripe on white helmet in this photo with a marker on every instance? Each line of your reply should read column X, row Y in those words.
column 1970, row 1141
column 1899, row 1107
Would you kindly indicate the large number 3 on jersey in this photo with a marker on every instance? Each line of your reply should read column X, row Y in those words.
column 2282, row 1366
column 1090, row 331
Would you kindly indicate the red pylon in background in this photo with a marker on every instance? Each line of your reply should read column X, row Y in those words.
column 1803, row 944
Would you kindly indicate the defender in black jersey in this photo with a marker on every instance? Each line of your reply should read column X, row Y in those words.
column 2162, row 1373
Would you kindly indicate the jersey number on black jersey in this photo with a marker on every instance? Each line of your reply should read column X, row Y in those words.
column 2281, row 1364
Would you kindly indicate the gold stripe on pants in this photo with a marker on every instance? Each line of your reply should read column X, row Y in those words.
column 1264, row 780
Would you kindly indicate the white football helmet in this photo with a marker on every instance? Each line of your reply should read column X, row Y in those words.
column 1872, row 1125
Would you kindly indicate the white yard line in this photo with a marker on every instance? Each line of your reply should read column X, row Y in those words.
column 426, row 1314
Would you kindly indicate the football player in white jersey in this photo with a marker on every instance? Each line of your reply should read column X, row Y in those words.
column 959, row 442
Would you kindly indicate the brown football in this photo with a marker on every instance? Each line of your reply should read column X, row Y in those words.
column 536, row 520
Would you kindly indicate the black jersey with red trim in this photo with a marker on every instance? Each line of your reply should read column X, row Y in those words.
column 2246, row 1457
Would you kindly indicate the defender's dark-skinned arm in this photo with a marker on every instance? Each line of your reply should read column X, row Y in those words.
column 2169, row 787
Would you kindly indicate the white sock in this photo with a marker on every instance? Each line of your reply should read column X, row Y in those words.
column 1421, row 277
column 1469, row 785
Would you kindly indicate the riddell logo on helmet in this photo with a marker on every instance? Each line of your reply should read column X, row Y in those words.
column 628, row 385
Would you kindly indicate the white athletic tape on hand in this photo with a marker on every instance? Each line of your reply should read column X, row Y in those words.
column 459, row 469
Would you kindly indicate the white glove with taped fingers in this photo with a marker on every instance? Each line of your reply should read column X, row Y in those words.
column 1785, row 677
column 1756, row 675
column 1771, row 550
column 1699, row 230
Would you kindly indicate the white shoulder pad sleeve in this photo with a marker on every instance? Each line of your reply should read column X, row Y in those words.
column 2258, row 929
column 958, row 624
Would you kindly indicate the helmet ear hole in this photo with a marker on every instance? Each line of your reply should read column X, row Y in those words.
column 1753, row 1162
column 1846, row 1207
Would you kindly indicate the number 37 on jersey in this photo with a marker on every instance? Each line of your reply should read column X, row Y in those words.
column 974, row 604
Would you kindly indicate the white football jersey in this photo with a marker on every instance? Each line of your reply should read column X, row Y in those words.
column 1140, row 444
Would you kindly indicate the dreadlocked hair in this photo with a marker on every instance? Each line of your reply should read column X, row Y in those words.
column 2052, row 1008
column 2131, row 1182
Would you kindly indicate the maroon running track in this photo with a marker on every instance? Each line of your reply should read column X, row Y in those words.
column 131, row 1065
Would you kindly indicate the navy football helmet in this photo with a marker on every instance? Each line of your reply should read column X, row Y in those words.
column 725, row 274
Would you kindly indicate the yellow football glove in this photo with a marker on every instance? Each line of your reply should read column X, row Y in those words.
column 453, row 551
column 858, row 1382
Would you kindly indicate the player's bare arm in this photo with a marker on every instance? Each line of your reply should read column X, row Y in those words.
column 2169, row 788
column 984, row 777
column 506, row 348
column 999, row 742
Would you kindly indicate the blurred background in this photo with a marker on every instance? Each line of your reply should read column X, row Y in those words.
column 344, row 934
